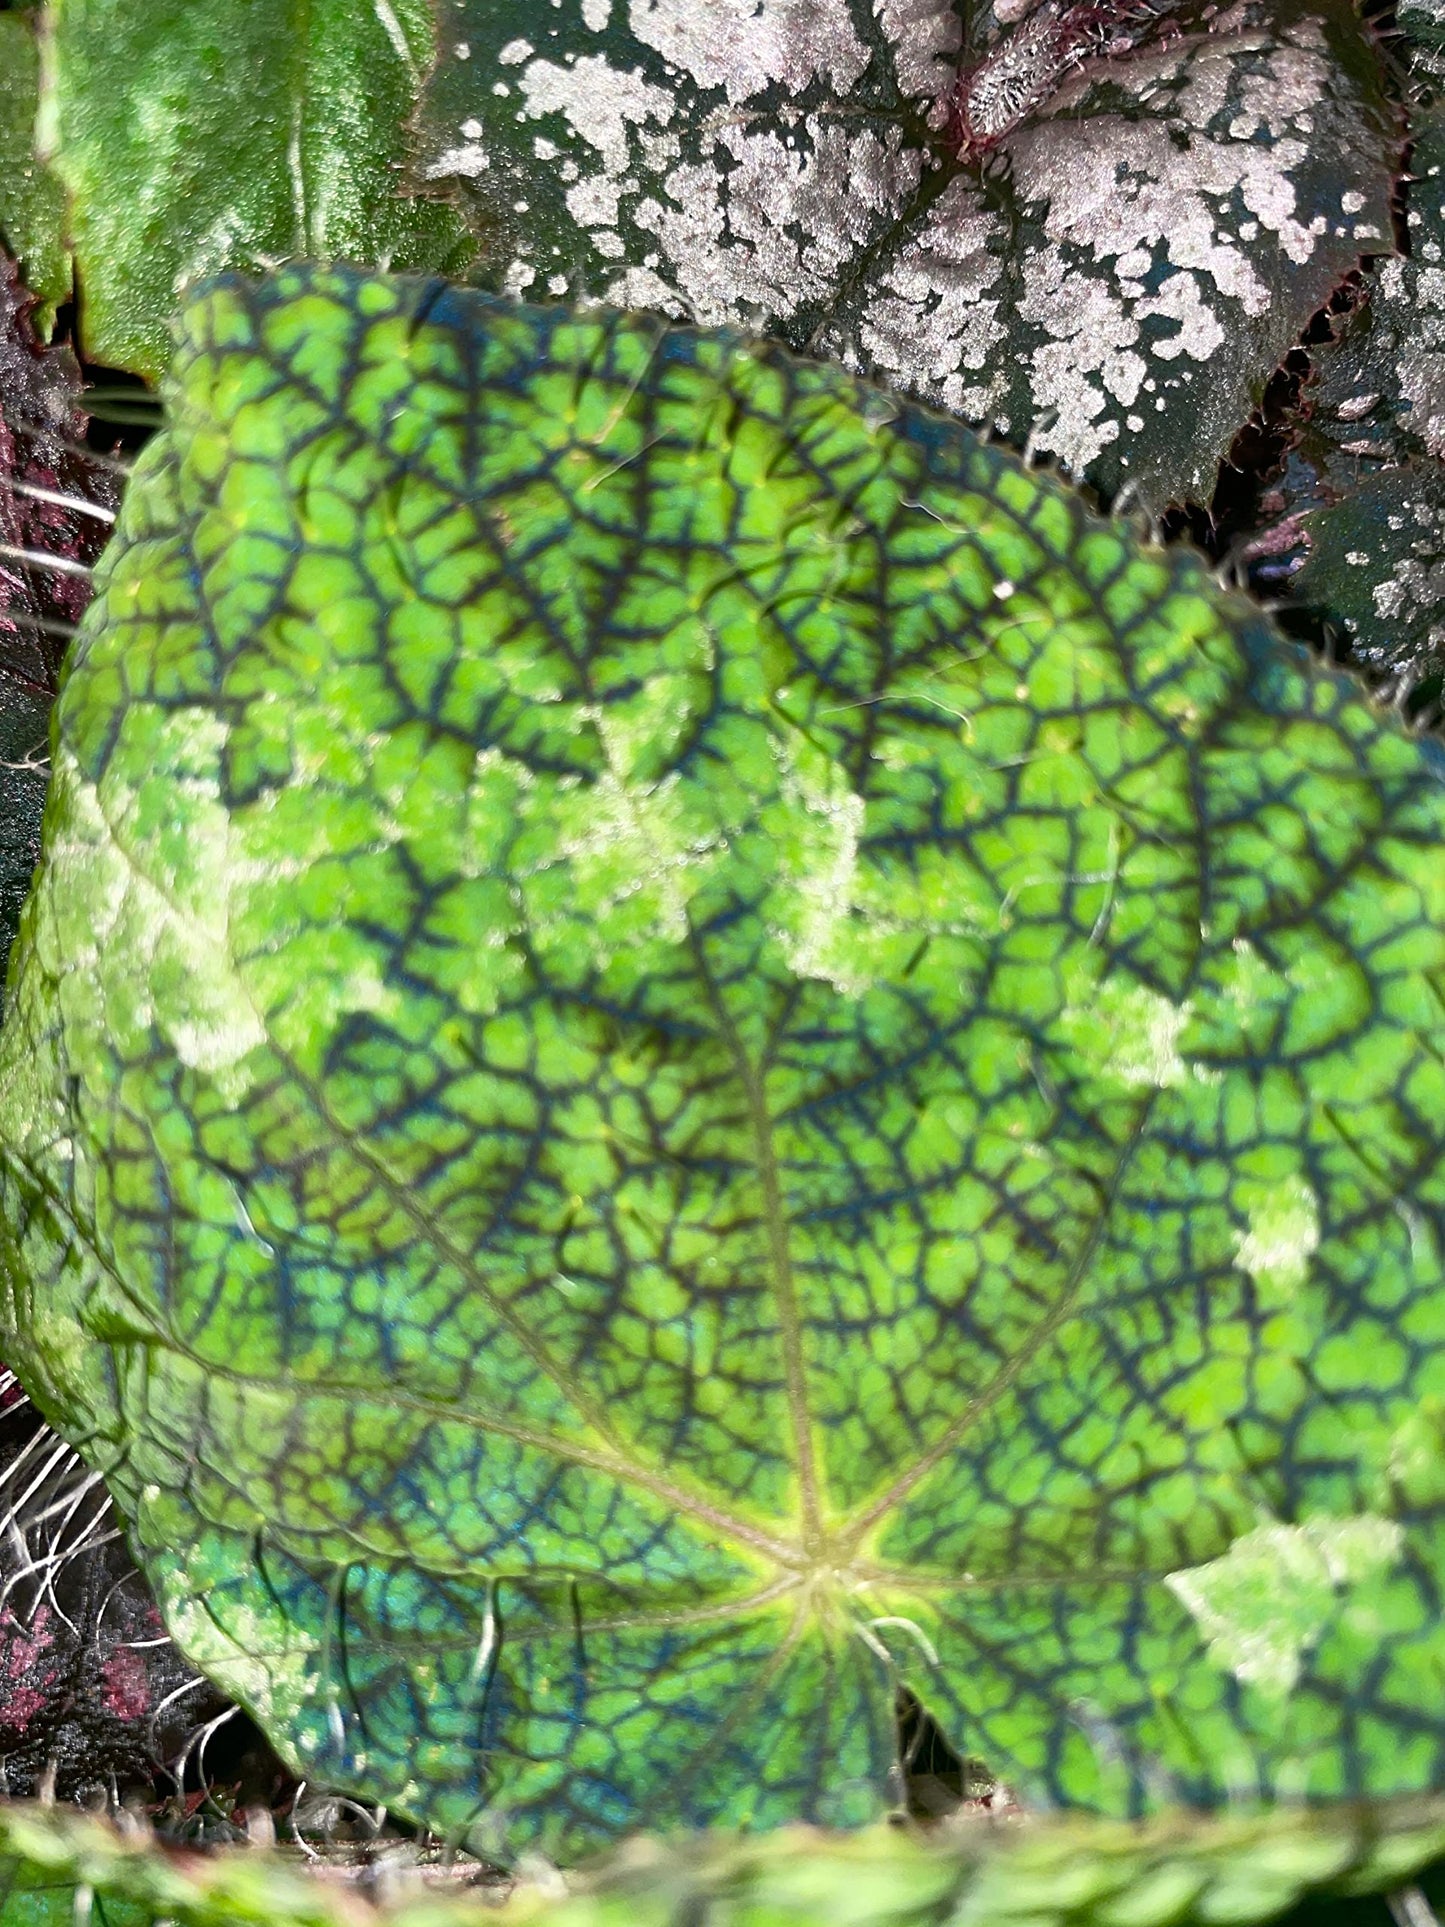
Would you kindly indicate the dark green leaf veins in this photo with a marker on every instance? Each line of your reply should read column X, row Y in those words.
column 687, row 1050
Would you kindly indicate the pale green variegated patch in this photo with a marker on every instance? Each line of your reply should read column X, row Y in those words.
column 815, row 826
column 1133, row 1033
column 155, row 858
column 1284, row 1230
column 1266, row 1601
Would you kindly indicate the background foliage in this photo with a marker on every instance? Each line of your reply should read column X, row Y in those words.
column 1058, row 1874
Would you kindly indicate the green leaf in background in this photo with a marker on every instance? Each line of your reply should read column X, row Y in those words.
column 32, row 203
column 1137, row 258
column 1362, row 496
column 1181, row 1871
column 687, row 1052
column 195, row 135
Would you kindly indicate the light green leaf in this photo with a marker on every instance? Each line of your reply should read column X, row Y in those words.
column 32, row 206
column 688, row 1052
column 196, row 135
column 1177, row 1871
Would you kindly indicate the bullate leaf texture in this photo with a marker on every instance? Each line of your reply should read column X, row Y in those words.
column 689, row 1054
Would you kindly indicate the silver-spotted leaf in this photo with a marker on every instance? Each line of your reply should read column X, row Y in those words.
column 689, row 1052
column 1122, row 276
column 1359, row 524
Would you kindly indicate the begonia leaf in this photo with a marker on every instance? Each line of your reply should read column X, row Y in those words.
column 1119, row 274
column 196, row 135
column 1359, row 510
column 689, row 1053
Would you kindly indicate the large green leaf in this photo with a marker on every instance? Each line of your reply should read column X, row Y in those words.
column 195, row 135
column 687, row 1051
column 1123, row 275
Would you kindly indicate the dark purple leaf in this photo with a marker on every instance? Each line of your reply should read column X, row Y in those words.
column 56, row 503
column 92, row 1695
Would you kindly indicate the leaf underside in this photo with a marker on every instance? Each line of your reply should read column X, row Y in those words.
column 688, row 1052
